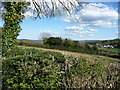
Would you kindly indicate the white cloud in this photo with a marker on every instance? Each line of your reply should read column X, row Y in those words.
column 117, row 33
column 70, row 33
column 78, row 32
column 74, row 28
column 93, row 30
column 28, row 14
column 94, row 15
column 54, row 34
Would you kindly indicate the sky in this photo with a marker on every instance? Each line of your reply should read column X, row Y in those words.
column 96, row 21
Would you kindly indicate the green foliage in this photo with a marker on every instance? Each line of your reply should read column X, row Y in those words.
column 76, row 46
column 95, row 47
column 12, row 17
column 70, row 45
column 109, row 53
column 115, row 43
column 82, row 73
column 53, row 41
column 45, row 40
column 32, row 68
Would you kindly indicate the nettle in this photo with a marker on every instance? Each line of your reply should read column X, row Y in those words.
column 12, row 17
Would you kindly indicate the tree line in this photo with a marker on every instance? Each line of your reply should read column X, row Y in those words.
column 69, row 45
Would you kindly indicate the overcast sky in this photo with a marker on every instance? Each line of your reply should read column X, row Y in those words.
column 96, row 21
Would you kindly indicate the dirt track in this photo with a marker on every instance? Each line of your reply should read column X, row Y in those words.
column 75, row 54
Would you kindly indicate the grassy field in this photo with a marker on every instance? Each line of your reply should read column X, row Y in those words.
column 30, row 43
column 75, row 54
column 34, row 67
column 111, row 49
column 83, row 48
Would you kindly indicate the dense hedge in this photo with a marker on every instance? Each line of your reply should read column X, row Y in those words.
column 31, row 68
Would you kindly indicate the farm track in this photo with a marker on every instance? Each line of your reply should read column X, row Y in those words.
column 74, row 54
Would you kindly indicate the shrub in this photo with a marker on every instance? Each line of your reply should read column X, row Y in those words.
column 53, row 41
column 31, row 68
column 37, row 70
column 68, row 43
column 82, row 73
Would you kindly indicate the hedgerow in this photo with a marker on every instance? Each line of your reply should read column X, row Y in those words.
column 36, row 70
column 32, row 68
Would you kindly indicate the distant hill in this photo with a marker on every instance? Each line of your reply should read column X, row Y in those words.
column 76, row 40
column 88, row 40
column 29, row 40
column 80, row 40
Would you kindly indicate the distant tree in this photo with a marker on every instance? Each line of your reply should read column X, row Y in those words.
column 45, row 35
column 68, row 43
column 87, row 46
column 54, row 41
column 95, row 47
column 77, row 44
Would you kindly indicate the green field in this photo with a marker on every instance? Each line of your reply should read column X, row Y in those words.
column 111, row 49
column 73, row 46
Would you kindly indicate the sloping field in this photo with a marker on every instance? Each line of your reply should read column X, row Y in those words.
column 74, row 54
